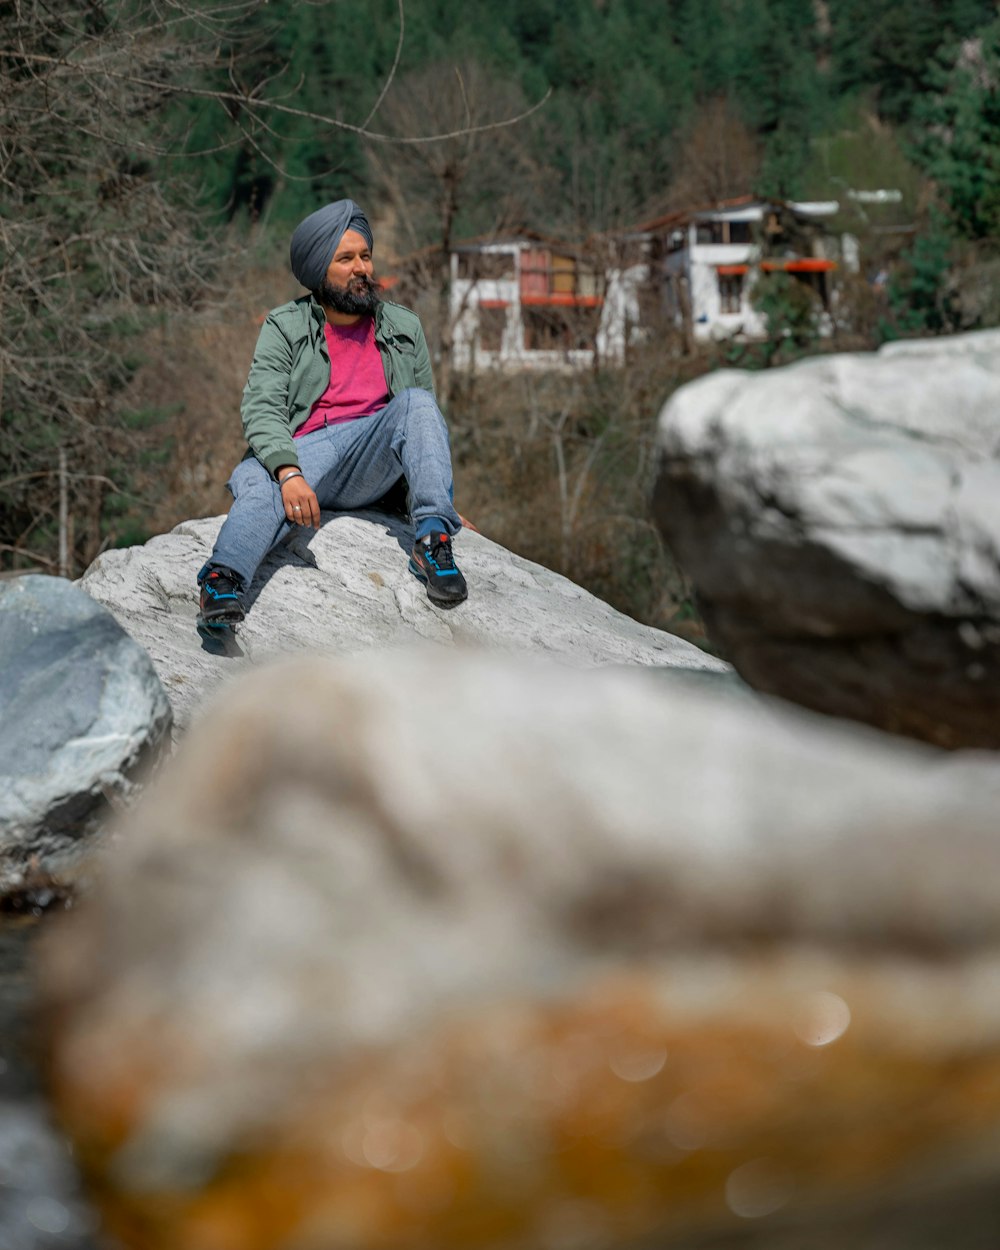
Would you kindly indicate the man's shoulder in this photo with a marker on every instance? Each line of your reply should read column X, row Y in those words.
column 296, row 312
column 399, row 318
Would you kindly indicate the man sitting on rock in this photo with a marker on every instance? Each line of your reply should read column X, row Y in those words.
column 338, row 406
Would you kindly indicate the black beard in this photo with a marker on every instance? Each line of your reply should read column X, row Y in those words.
column 358, row 297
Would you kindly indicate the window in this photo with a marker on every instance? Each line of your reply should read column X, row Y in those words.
column 535, row 269
column 545, row 330
column 724, row 232
column 563, row 279
column 488, row 266
column 492, row 323
column 559, row 329
column 730, row 292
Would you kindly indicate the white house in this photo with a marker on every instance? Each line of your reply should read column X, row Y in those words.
column 710, row 259
column 527, row 301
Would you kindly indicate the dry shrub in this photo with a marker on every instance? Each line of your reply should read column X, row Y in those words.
column 559, row 467
column 860, row 312
column 190, row 384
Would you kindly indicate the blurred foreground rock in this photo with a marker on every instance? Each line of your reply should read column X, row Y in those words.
column 346, row 588
column 840, row 519
column 81, row 708
column 40, row 1201
column 502, row 955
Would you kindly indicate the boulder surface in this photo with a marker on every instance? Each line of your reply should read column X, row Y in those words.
column 840, row 519
column 81, row 708
column 536, row 958
column 346, row 588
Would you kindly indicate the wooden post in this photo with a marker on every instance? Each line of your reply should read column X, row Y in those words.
column 687, row 316
column 63, row 515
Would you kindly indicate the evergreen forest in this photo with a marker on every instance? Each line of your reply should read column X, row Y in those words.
column 155, row 154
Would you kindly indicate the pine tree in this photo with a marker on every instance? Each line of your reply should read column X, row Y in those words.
column 779, row 91
column 959, row 143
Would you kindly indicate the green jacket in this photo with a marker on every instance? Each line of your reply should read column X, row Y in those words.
column 291, row 370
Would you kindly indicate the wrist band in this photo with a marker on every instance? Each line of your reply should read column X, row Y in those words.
column 288, row 477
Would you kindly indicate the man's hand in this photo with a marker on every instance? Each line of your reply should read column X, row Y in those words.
column 301, row 504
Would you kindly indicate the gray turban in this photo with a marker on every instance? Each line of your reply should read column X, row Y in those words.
column 315, row 239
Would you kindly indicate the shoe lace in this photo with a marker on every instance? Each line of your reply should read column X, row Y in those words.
column 441, row 553
column 222, row 584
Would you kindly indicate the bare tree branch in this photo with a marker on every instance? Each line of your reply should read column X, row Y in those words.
column 392, row 72
column 250, row 102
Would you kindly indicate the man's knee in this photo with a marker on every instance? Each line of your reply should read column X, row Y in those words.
column 255, row 492
column 416, row 399
column 418, row 408
column 250, row 476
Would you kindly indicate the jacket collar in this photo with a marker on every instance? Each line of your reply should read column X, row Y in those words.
column 318, row 314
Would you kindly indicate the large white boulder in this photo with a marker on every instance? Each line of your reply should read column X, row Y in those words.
column 840, row 519
column 346, row 588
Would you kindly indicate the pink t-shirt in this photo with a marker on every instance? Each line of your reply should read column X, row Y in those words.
column 357, row 380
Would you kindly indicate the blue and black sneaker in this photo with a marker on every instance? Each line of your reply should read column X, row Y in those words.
column 221, row 598
column 433, row 562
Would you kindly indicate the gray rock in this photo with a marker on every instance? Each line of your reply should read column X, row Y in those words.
column 40, row 1206
column 840, row 519
column 81, row 708
column 534, row 957
column 346, row 588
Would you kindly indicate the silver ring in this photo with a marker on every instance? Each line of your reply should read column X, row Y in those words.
column 296, row 508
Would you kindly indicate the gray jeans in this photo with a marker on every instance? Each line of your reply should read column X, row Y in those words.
column 349, row 466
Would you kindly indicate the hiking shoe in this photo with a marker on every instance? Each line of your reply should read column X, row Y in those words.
column 221, row 598
column 434, row 563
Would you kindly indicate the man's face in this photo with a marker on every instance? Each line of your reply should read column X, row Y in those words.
column 349, row 285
